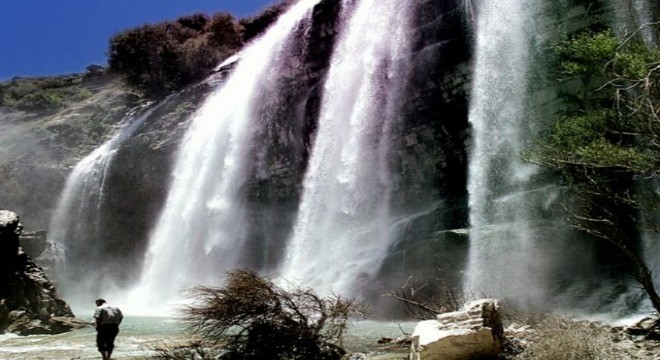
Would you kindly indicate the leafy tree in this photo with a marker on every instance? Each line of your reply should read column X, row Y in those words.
column 224, row 31
column 142, row 56
column 41, row 94
column 252, row 318
column 196, row 22
column 608, row 140
column 195, row 57
column 161, row 58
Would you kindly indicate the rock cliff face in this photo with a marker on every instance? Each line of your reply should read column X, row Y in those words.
column 28, row 301
column 429, row 165
column 41, row 145
column 138, row 178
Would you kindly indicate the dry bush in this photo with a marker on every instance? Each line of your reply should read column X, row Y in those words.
column 192, row 351
column 252, row 318
column 427, row 300
column 558, row 338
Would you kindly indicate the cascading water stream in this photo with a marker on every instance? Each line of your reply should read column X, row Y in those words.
column 74, row 227
column 643, row 13
column 647, row 13
column 202, row 228
column 637, row 16
column 342, row 229
column 502, row 259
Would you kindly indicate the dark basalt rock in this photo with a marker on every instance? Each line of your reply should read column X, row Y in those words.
column 28, row 301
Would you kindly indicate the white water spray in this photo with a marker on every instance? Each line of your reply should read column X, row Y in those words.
column 74, row 227
column 637, row 17
column 202, row 229
column 644, row 14
column 342, row 229
column 502, row 259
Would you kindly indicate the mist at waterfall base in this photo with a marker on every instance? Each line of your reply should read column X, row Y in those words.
column 324, row 171
column 79, row 218
column 520, row 248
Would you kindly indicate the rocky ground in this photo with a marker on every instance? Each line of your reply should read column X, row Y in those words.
column 561, row 338
column 29, row 304
column 555, row 338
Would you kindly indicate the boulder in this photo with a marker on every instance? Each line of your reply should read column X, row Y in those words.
column 648, row 327
column 61, row 324
column 22, row 323
column 10, row 228
column 28, row 301
column 33, row 243
column 475, row 332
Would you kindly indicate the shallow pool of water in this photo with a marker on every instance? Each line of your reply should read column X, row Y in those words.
column 139, row 336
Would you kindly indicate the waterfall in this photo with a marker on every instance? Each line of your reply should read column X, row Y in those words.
column 647, row 12
column 503, row 260
column 203, row 229
column 635, row 16
column 342, row 229
column 76, row 224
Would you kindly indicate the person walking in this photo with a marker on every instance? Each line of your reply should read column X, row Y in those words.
column 107, row 319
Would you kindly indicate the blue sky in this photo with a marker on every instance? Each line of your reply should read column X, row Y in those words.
column 54, row 37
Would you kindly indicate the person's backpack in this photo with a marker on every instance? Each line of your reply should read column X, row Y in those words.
column 111, row 315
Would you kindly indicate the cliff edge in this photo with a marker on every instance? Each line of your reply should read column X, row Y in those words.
column 28, row 301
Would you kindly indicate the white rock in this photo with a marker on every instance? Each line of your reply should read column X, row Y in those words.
column 473, row 332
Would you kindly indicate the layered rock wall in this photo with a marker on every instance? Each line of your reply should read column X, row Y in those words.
column 28, row 301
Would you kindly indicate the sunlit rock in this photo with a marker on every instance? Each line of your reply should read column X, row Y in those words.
column 475, row 332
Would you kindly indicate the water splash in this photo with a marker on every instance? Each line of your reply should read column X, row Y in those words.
column 202, row 228
column 341, row 233
column 502, row 259
column 76, row 224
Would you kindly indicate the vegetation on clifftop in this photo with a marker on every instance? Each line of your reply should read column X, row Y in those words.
column 158, row 59
column 43, row 94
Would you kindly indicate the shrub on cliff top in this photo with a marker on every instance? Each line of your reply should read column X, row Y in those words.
column 161, row 58
column 41, row 94
column 158, row 59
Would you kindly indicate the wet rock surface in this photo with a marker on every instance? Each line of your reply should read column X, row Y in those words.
column 28, row 301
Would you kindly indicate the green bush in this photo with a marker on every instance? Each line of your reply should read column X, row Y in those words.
column 41, row 94
column 40, row 100
column 609, row 125
column 606, row 140
column 586, row 53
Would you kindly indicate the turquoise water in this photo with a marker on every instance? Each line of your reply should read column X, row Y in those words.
column 137, row 339
column 140, row 335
